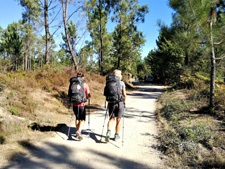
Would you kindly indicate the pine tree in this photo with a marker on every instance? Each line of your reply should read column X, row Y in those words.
column 127, row 39
column 11, row 44
column 97, row 11
column 206, row 19
column 30, row 16
column 65, row 4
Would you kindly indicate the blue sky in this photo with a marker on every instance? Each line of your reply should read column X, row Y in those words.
column 158, row 10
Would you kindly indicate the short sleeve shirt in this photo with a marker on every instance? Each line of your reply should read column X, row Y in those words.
column 86, row 89
column 122, row 84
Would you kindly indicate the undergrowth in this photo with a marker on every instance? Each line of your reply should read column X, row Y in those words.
column 191, row 136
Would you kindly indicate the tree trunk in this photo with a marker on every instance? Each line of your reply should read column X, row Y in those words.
column 65, row 10
column 213, row 70
column 120, row 41
column 186, row 58
column 101, row 48
column 26, row 54
column 47, row 35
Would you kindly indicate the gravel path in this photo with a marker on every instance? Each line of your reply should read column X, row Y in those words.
column 136, row 152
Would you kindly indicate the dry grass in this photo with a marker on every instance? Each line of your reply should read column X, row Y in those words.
column 191, row 136
column 38, row 97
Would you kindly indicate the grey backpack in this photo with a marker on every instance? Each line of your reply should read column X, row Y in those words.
column 76, row 92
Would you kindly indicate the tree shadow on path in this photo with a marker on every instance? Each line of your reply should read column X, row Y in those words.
column 60, row 155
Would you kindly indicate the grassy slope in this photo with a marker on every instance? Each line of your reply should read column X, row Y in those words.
column 40, row 97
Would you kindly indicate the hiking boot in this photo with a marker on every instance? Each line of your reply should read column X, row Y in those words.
column 116, row 137
column 74, row 136
column 79, row 136
column 107, row 136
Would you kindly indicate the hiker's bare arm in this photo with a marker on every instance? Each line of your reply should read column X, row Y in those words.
column 88, row 95
column 124, row 94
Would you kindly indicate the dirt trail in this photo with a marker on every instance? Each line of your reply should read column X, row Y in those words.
column 137, row 151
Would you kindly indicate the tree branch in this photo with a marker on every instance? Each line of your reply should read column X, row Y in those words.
column 54, row 6
column 220, row 58
column 74, row 13
column 50, row 3
column 55, row 16
column 218, row 43
column 42, row 5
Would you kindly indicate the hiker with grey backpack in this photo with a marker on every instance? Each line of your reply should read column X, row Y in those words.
column 78, row 94
column 115, row 93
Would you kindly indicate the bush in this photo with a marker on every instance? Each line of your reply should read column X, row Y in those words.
column 188, row 136
column 173, row 107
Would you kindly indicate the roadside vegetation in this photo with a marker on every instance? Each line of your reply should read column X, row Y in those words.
column 33, row 104
column 34, row 73
column 191, row 135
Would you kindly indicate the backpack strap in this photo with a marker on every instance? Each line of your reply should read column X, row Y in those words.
column 119, row 88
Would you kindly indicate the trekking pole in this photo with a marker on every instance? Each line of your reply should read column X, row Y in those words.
column 89, row 119
column 104, row 122
column 123, row 126
column 70, row 122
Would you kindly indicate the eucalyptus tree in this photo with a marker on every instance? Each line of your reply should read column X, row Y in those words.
column 30, row 16
column 127, row 39
column 207, row 19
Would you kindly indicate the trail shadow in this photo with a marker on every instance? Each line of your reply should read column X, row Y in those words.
column 62, row 156
column 68, row 132
column 44, row 128
column 133, row 113
column 146, row 93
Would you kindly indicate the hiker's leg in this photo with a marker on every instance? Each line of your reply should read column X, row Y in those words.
column 118, row 124
column 82, row 116
column 119, row 115
column 111, row 107
column 76, row 113
column 81, row 125
column 77, row 124
column 110, row 123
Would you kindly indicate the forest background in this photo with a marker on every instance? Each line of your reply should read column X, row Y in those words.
column 189, row 53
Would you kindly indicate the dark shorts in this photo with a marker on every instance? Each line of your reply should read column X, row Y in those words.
column 116, row 109
column 80, row 112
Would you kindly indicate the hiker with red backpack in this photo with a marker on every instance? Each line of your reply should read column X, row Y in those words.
column 78, row 94
column 115, row 92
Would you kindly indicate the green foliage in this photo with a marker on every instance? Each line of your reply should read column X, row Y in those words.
column 127, row 39
column 167, row 62
column 97, row 12
column 11, row 44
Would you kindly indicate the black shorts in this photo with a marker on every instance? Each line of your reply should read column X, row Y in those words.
column 80, row 112
column 116, row 109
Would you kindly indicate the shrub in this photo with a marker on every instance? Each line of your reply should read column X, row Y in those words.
column 173, row 107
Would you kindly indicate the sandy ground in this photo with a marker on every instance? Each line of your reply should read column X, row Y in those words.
column 135, row 150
